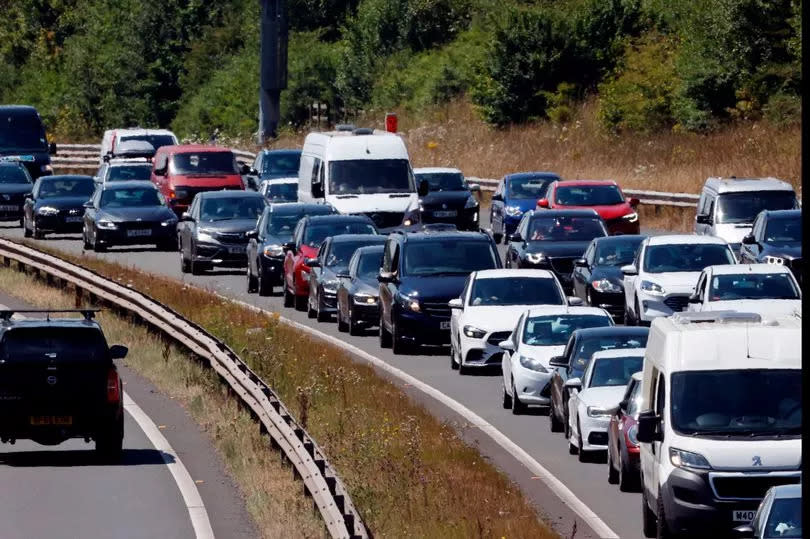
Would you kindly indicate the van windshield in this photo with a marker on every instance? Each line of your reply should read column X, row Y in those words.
column 20, row 132
column 204, row 164
column 369, row 176
column 753, row 402
column 155, row 140
column 744, row 207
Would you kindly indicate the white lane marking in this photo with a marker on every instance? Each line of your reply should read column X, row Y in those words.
column 188, row 489
column 555, row 485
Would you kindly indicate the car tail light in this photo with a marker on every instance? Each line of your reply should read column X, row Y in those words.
column 172, row 194
column 113, row 386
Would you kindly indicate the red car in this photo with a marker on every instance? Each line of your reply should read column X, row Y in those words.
column 604, row 196
column 308, row 235
column 182, row 171
column 623, row 454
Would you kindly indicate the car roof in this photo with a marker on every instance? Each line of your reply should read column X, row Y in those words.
column 618, row 352
column 338, row 217
column 742, row 185
column 586, row 182
column 138, row 161
column 189, row 148
column 350, row 238
column 66, row 177
column 49, row 323
column 566, row 309
column 282, row 151
column 130, row 131
column 436, row 170
column 502, row 273
column 531, row 175
column 298, row 207
column 444, row 234
column 285, row 181
column 589, row 212
column 739, row 269
column 370, row 249
column 17, row 109
column 630, row 331
column 685, row 239
column 783, row 214
column 127, row 184
column 787, row 491
column 621, row 238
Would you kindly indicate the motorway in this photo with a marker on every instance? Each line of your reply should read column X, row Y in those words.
column 62, row 491
column 619, row 512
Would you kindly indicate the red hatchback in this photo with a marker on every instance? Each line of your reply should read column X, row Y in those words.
column 623, row 453
column 604, row 196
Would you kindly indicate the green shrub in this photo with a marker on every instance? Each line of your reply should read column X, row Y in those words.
column 783, row 109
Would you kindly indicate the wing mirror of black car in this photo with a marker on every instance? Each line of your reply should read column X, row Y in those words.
column 703, row 219
column 749, row 239
column 252, row 234
column 186, row 216
column 746, row 530
column 649, row 427
column 558, row 361
column 313, row 262
column 52, row 148
column 386, row 277
column 497, row 197
column 423, row 189
column 581, row 263
column 118, row 351
column 455, row 303
column 515, row 238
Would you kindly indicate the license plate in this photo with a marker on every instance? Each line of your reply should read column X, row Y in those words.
column 45, row 420
column 13, row 207
column 236, row 250
column 448, row 213
column 139, row 233
column 743, row 516
column 74, row 219
column 444, row 325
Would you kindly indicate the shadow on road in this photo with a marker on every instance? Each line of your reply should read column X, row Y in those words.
column 81, row 457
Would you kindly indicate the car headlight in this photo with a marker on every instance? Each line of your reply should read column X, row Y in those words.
column 630, row 217
column 273, row 251
column 474, row 333
column 597, row 412
column 606, row 285
column 47, row 210
column 532, row 364
column 46, row 168
column 169, row 222
column 206, row 236
column 513, row 211
column 536, row 258
column 106, row 225
column 652, row 288
column 471, row 202
column 330, row 287
column 410, row 304
column 686, row 459
column 364, row 299
column 632, row 434
column 778, row 260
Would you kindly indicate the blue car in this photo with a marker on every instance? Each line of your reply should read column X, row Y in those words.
column 516, row 194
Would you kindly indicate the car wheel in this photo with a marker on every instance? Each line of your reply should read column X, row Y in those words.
column 398, row 343
column 554, row 424
column 453, row 364
column 288, row 297
column 320, row 313
column 166, row 246
column 517, row 406
column 385, row 336
column 660, row 518
column 628, row 481
column 22, row 222
column 310, row 309
column 185, row 265
column 252, row 285
column 613, row 474
column 497, row 237
column 38, row 234
column 110, row 442
column 582, row 456
column 572, row 448
column 301, row 302
column 648, row 523
column 197, row 268
column 343, row 327
column 26, row 231
column 98, row 247
column 507, row 400
column 85, row 242
column 354, row 325
column 263, row 285
column 462, row 369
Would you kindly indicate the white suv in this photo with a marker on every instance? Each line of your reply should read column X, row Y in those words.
column 663, row 276
column 765, row 289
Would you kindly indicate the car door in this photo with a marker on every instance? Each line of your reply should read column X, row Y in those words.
column 457, row 315
column 289, row 257
column 28, row 205
column 659, row 407
column 629, row 281
column 91, row 214
column 573, row 400
column 387, row 289
column 508, row 357
column 316, row 272
column 582, row 274
column 559, row 376
column 187, row 231
column 252, row 249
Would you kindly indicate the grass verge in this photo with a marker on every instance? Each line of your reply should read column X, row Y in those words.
column 408, row 474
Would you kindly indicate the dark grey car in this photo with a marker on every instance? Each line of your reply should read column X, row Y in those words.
column 358, row 294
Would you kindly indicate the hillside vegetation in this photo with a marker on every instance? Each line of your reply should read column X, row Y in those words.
column 652, row 65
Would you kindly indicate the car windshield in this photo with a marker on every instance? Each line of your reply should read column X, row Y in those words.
column 785, row 518
column 369, row 265
column 281, row 192
column 516, row 291
column 614, row 371
column 67, row 188
column 752, row 402
column 155, row 140
column 52, row 344
column 554, row 330
column 616, row 253
column 13, row 174
column 225, row 208
column 130, row 198
column 528, row 187
column 22, row 133
column 129, row 172
column 683, row 257
column 588, row 195
column 588, row 346
column 316, row 233
column 753, row 286
column 342, row 252
column 367, row 176
column 283, row 164
column 784, row 230
column 443, row 181
column 448, row 256
column 204, row 163
column 744, row 207
column 282, row 224
column 565, row 228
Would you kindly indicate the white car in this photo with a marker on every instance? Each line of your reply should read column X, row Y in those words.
column 663, row 276
column 279, row 190
column 488, row 309
column 596, row 394
column 540, row 334
column 765, row 289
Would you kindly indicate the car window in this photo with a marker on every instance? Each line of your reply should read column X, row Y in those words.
column 222, row 208
column 744, row 207
column 443, row 181
column 60, row 344
column 204, row 163
column 129, row 198
column 554, row 330
column 565, row 228
column 787, row 230
column 685, row 257
column 282, row 224
column 368, row 265
column 316, row 233
column 14, row 174
column 341, row 252
column 785, row 518
column 753, row 286
column 448, row 256
column 281, row 192
column 616, row 253
column 67, row 187
column 515, row 291
column 129, row 172
column 588, row 195
column 281, row 164
column 588, row 345
column 634, row 400
column 614, row 371
column 523, row 188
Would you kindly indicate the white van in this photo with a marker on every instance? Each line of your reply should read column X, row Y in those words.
column 721, row 418
column 728, row 206
column 113, row 137
column 361, row 171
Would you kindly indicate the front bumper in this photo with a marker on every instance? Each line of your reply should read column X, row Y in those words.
column 366, row 313
column 594, row 432
column 328, row 301
column 220, row 254
column 483, row 352
column 532, row 387
column 653, row 306
column 424, row 328
column 620, row 226
column 120, row 236
column 612, row 302
column 62, row 222
column 464, row 219
column 11, row 210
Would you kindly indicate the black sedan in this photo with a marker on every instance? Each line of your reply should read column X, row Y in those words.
column 272, row 165
column 597, row 276
column 15, row 186
column 358, row 294
column 776, row 238
column 265, row 248
column 444, row 197
column 128, row 213
column 333, row 259
column 56, row 205
column 214, row 230
column 552, row 240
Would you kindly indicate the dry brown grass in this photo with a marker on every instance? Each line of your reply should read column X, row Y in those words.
column 408, row 474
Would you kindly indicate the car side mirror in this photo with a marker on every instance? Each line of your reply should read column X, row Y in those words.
column 52, row 148
column 558, row 361
column 575, row 301
column 118, row 351
column 186, row 216
column 244, row 169
column 289, row 246
column 497, row 197
column 746, row 530
column 423, row 189
column 573, row 383
column 649, row 427
column 160, row 171
column 515, row 238
column 508, row 344
column 343, row 275
column 455, row 304
column 633, row 201
column 313, row 262
column 629, row 269
column 474, row 188
column 695, row 298
column 88, row 204
column 542, row 203
column 386, row 277
column 581, row 263
column 703, row 219
column 623, row 405
column 252, row 234
column 749, row 239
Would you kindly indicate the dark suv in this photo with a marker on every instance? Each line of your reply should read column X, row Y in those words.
column 421, row 273
column 58, row 381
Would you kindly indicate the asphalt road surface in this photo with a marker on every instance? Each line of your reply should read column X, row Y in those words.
column 481, row 393
column 63, row 492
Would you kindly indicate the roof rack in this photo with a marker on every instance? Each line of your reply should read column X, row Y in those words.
column 718, row 317
column 345, row 127
column 6, row 314
column 363, row 131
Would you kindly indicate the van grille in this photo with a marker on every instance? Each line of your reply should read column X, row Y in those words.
column 751, row 487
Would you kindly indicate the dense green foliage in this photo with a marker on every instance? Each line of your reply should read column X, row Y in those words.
column 193, row 65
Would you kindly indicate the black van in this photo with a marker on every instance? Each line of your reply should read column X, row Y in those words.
column 22, row 138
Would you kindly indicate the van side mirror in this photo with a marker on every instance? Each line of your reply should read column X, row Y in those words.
column 649, row 427
column 52, row 148
column 749, row 239
column 474, row 188
column 623, row 405
column 118, row 351
column 317, row 190
column 629, row 269
column 244, row 169
column 423, row 189
column 160, row 171
column 558, row 361
column 703, row 219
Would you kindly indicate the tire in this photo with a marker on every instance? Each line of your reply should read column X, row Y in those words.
column 555, row 425
column 26, row 231
column 97, row 247
column 320, row 315
column 648, row 522
column 385, row 336
column 507, row 400
column 185, row 264
column 398, row 344
column 109, row 443
column 166, row 246
column 517, row 407
column 613, row 473
column 453, row 364
column 628, row 481
column 300, row 303
column 497, row 237
column 85, row 244
column 663, row 531
column 263, row 285
column 572, row 449
column 582, row 456
column 343, row 327
column 628, row 319
column 252, row 285
column 38, row 235
column 288, row 297
column 197, row 268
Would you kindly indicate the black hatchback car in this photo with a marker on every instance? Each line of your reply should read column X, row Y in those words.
column 58, row 381
column 776, row 238
column 421, row 272
column 358, row 294
column 23, row 139
column 553, row 240
column 572, row 363
column 15, row 187
column 56, row 205
column 444, row 197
